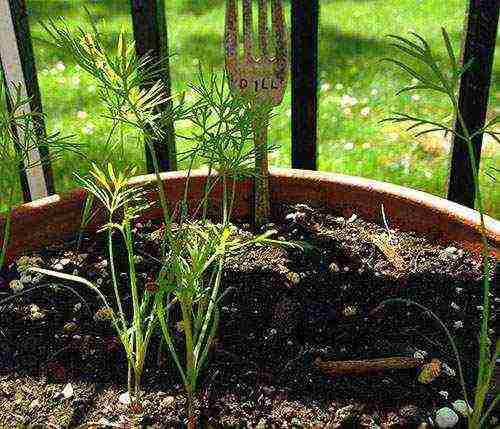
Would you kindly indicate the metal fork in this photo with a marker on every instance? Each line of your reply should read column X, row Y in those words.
column 262, row 79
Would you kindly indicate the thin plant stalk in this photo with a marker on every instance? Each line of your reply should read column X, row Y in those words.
column 448, row 86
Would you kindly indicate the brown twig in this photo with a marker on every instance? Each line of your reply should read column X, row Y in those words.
column 368, row 366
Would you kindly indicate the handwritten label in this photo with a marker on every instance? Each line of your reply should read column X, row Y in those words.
column 260, row 84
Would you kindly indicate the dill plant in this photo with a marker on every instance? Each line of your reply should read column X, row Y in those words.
column 197, row 250
column 123, row 203
column 430, row 76
column 193, row 250
column 121, row 77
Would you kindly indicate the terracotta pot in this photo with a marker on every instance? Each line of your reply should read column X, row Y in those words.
column 54, row 218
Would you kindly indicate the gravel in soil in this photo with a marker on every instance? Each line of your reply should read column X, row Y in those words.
column 286, row 307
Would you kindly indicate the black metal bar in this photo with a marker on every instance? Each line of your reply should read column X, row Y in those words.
column 150, row 33
column 481, row 25
column 23, row 53
column 304, row 34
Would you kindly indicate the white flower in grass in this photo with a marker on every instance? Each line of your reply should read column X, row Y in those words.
column 339, row 86
column 415, row 97
column 349, row 146
column 365, row 111
column 325, row 87
column 347, row 100
column 60, row 66
column 88, row 128
column 81, row 114
column 374, row 92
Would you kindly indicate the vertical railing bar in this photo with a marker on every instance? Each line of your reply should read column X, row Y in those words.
column 18, row 65
column 480, row 30
column 150, row 33
column 304, row 35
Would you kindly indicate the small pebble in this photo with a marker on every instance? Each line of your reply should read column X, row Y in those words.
column 420, row 354
column 124, row 399
column 70, row 327
column 333, row 268
column 352, row 218
column 293, row 277
column 350, row 310
column 66, row 393
column 462, row 407
column 16, row 286
column 458, row 324
column 446, row 418
column 448, row 370
column 444, row 394
column 168, row 401
column 344, row 413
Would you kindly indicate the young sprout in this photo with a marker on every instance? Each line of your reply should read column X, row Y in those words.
column 197, row 250
column 123, row 203
column 435, row 78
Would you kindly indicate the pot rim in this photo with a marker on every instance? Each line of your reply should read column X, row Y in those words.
column 39, row 222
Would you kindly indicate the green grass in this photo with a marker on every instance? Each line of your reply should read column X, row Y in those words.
column 351, row 44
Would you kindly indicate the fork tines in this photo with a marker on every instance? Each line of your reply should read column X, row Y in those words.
column 278, row 25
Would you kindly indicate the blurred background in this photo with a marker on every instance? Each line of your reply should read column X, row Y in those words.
column 356, row 90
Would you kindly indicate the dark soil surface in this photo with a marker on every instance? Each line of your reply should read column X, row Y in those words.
column 286, row 307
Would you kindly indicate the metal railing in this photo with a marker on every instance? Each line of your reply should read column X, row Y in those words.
column 150, row 33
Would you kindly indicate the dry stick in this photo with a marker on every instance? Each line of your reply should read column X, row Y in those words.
column 363, row 367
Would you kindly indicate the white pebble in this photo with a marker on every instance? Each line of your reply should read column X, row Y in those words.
column 420, row 354
column 446, row 418
column 124, row 399
column 462, row 407
column 444, row 394
column 16, row 285
column 447, row 370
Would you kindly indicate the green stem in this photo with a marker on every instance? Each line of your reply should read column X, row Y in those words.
column 114, row 279
column 484, row 339
column 6, row 237
column 186, row 325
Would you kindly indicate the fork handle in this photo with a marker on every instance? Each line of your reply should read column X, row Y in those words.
column 262, row 207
